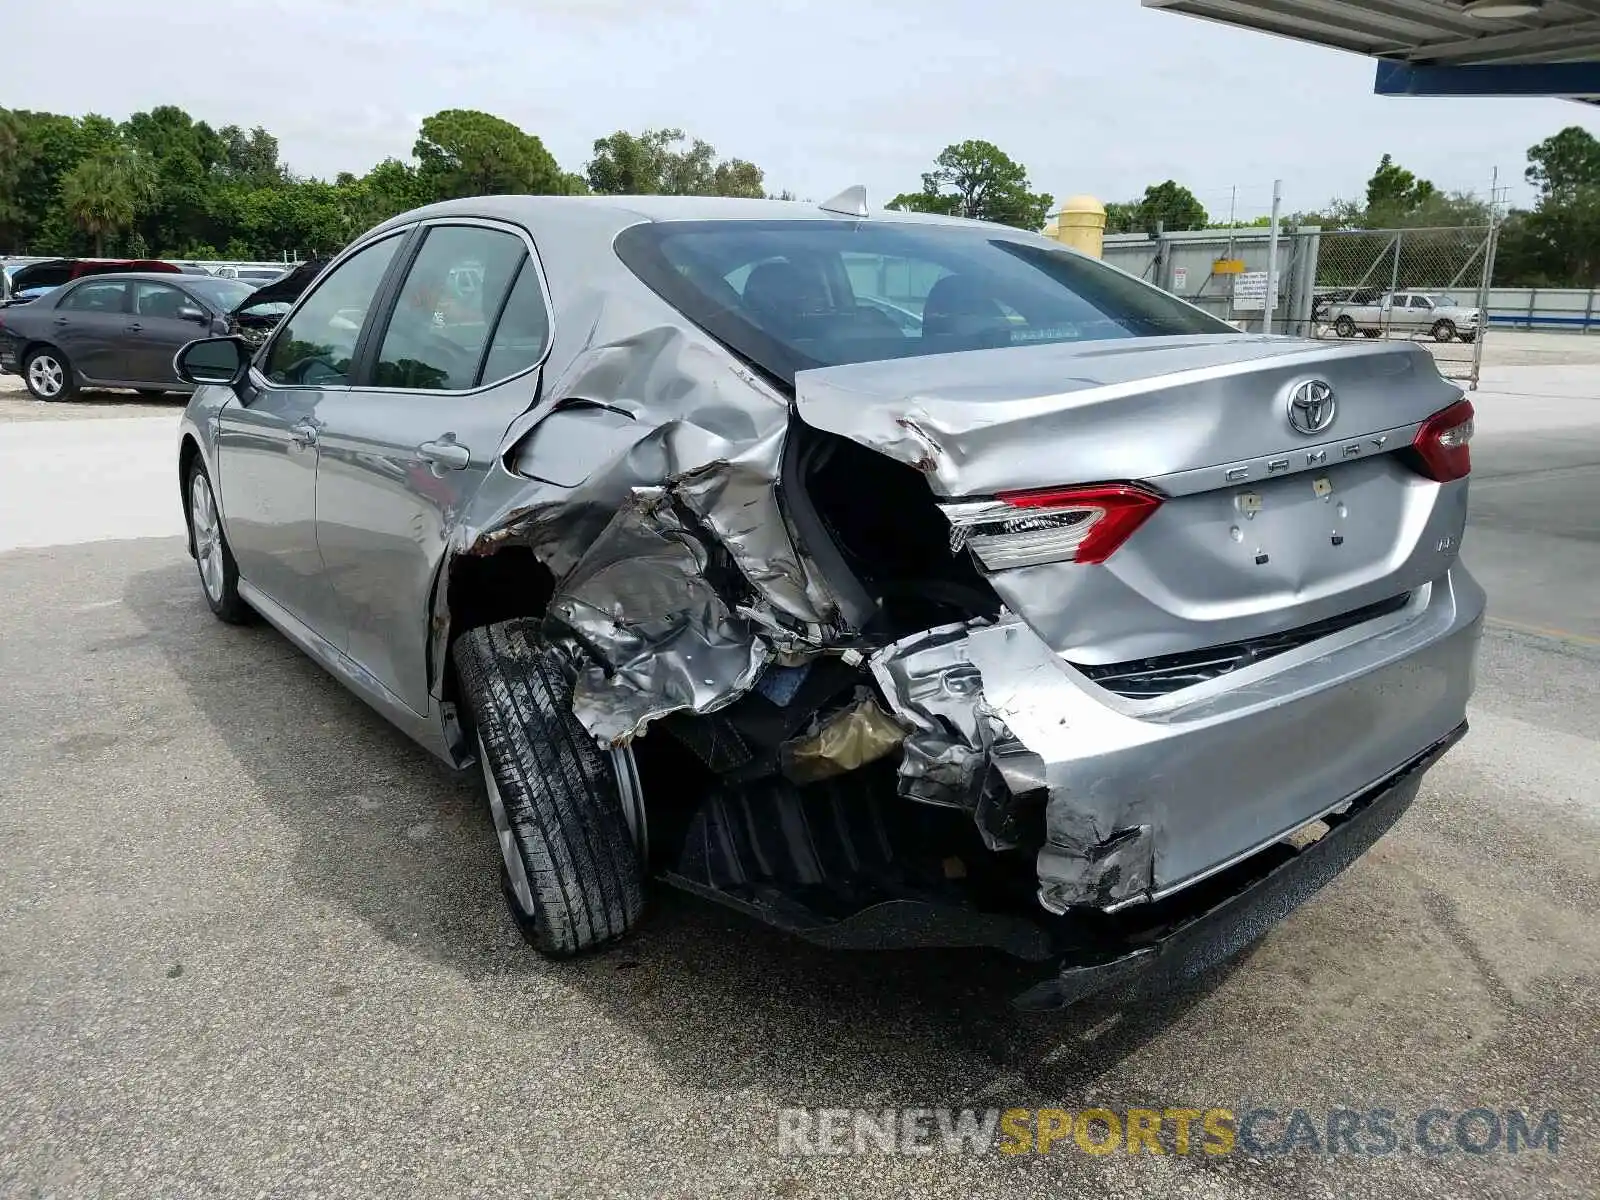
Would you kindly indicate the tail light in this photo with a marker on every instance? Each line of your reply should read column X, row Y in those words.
column 1441, row 445
column 1022, row 529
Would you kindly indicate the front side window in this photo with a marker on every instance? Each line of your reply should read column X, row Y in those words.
column 317, row 345
column 446, row 308
column 792, row 295
column 95, row 297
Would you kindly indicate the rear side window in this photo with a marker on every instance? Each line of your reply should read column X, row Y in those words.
column 790, row 295
column 446, row 308
column 319, row 341
column 523, row 331
column 158, row 300
column 95, row 297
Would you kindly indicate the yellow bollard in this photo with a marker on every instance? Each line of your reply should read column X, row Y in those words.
column 1081, row 224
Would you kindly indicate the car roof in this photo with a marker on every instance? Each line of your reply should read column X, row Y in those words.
column 619, row 212
column 172, row 277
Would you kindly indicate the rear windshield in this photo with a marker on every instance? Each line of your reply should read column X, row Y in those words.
column 790, row 295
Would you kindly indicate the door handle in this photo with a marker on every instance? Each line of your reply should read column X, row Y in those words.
column 61, row 321
column 446, row 454
column 135, row 327
column 303, row 434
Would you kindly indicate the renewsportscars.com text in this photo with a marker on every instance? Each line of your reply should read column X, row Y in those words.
column 1256, row 1132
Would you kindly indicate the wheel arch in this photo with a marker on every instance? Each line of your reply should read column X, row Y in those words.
column 188, row 452
column 475, row 590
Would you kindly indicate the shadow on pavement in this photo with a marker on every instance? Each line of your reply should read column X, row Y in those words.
column 386, row 832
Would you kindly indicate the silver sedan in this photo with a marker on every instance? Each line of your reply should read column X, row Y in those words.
column 896, row 579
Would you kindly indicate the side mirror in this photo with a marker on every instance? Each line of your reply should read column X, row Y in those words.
column 190, row 313
column 219, row 360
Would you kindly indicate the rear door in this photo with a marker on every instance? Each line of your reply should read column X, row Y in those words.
column 87, row 326
column 451, row 364
column 157, row 330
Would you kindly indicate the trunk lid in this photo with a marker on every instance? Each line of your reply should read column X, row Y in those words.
column 1264, row 527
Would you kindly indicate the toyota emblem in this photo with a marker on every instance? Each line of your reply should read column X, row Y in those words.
column 1311, row 406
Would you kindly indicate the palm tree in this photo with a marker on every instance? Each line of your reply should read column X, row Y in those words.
column 105, row 194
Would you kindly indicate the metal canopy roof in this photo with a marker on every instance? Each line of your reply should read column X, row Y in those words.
column 1434, row 47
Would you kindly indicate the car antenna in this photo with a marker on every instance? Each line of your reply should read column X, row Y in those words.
column 852, row 202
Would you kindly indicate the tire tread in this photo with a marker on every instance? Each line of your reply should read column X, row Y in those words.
column 559, row 790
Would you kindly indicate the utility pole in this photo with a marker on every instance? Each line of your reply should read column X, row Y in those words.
column 1272, row 259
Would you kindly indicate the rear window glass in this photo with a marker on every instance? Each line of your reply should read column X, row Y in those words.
column 790, row 295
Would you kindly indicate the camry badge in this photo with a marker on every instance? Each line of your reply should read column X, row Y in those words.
column 1312, row 407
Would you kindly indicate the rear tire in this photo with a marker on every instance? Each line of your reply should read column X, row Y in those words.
column 1444, row 331
column 569, row 869
column 1345, row 327
column 49, row 375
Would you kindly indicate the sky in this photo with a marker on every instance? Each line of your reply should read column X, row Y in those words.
column 1096, row 96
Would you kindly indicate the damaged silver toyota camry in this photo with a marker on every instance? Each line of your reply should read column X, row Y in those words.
column 897, row 580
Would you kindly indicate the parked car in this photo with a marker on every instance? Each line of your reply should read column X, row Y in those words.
column 1074, row 623
column 257, row 276
column 255, row 317
column 52, row 273
column 1322, row 301
column 120, row 330
column 1440, row 315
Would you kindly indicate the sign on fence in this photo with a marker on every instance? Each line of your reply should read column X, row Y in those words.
column 1180, row 280
column 1250, row 292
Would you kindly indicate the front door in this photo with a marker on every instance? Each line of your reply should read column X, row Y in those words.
column 405, row 449
column 267, row 441
column 88, row 326
column 156, row 332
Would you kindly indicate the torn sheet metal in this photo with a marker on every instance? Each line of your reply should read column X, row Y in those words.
column 931, row 684
column 986, row 703
column 661, row 637
column 647, row 431
column 1099, row 845
column 844, row 741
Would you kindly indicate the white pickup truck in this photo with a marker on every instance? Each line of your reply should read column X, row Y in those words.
column 1407, row 313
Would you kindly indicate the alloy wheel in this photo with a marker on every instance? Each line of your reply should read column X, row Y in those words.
column 47, row 375
column 207, row 535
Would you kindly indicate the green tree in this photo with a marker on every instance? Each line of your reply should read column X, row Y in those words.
column 1173, row 206
column 1565, row 162
column 463, row 152
column 1559, row 240
column 1122, row 216
column 47, row 146
column 1395, row 196
column 251, row 157
column 658, row 162
column 105, row 194
column 979, row 180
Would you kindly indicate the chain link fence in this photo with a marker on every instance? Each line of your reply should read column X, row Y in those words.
column 1425, row 285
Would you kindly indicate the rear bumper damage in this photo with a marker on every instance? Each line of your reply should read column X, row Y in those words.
column 1180, row 938
column 1145, row 798
column 766, row 853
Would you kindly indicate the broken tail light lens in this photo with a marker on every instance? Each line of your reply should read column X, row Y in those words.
column 1441, row 445
column 1022, row 529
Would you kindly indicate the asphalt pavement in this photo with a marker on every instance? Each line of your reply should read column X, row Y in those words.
column 251, row 942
